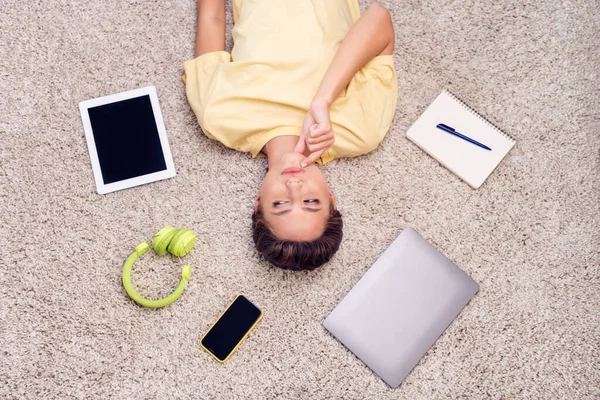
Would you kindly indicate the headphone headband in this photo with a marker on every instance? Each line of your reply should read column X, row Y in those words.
column 178, row 243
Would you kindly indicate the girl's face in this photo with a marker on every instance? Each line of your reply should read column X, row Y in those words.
column 295, row 201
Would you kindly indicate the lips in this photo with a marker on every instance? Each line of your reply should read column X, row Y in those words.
column 292, row 171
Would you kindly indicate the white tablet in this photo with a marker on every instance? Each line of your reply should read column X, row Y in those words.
column 126, row 139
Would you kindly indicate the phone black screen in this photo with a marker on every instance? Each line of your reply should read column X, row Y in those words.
column 127, row 139
column 233, row 325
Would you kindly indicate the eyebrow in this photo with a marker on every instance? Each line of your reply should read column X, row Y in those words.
column 313, row 210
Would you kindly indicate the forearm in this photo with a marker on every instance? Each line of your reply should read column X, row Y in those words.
column 210, row 33
column 371, row 35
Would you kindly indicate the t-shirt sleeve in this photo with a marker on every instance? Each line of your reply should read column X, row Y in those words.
column 200, row 79
column 377, row 82
column 363, row 113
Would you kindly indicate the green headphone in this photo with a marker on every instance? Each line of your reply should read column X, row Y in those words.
column 168, row 239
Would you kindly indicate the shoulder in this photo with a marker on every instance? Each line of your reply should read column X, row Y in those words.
column 205, row 61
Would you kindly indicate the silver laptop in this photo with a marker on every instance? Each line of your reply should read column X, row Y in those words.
column 400, row 306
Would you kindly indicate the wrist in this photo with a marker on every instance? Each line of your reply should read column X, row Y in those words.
column 322, row 100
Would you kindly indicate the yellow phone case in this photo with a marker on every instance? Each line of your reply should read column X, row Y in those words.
column 241, row 340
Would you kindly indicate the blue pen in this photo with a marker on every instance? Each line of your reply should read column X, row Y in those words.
column 451, row 130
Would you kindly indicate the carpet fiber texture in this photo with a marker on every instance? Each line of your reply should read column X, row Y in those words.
column 529, row 236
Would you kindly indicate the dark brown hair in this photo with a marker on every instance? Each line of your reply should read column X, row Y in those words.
column 293, row 255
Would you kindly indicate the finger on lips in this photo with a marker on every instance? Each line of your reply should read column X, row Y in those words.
column 301, row 145
column 312, row 158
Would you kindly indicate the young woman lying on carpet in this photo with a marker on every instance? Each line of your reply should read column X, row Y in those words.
column 306, row 81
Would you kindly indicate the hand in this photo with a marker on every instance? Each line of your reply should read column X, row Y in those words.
column 317, row 135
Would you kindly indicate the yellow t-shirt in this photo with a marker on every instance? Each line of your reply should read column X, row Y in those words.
column 263, row 89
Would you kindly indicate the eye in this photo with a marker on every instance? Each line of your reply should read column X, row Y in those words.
column 312, row 201
column 278, row 203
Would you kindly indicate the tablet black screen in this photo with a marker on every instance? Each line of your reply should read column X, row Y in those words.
column 126, row 139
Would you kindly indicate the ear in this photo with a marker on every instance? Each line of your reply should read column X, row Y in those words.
column 257, row 203
column 332, row 199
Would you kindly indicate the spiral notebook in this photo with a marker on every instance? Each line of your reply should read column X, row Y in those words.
column 471, row 163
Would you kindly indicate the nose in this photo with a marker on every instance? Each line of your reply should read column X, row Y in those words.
column 294, row 183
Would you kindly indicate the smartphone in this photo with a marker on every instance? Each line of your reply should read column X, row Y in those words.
column 233, row 326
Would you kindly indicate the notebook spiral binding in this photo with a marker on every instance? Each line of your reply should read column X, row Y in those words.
column 479, row 116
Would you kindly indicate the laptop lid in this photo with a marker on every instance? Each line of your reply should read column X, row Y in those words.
column 400, row 306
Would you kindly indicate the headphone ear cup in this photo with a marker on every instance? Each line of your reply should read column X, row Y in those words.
column 182, row 242
column 162, row 239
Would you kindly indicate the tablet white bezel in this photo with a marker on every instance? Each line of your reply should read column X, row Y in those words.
column 103, row 188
